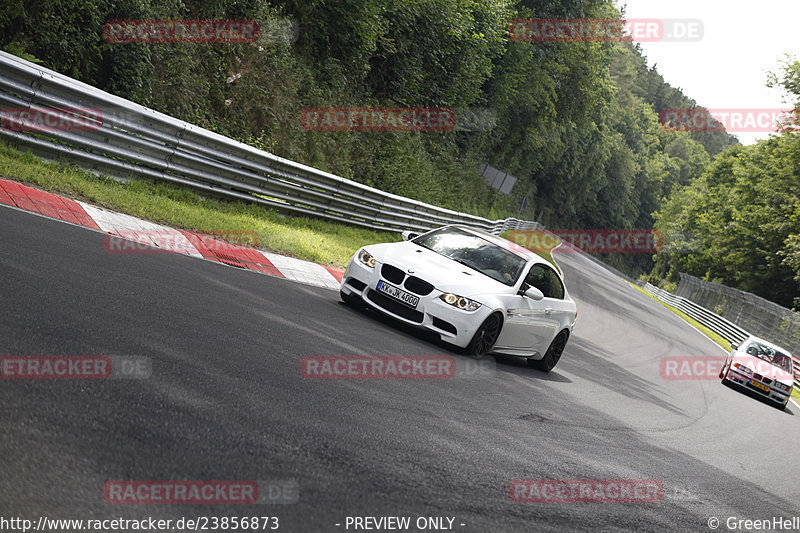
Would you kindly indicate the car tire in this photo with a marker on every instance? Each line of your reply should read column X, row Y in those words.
column 723, row 374
column 485, row 336
column 552, row 355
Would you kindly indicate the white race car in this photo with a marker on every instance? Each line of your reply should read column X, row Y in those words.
column 475, row 290
column 762, row 367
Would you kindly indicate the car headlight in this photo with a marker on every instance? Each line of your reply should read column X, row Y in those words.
column 781, row 386
column 366, row 258
column 743, row 369
column 459, row 301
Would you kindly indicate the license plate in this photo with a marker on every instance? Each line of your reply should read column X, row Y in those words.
column 398, row 294
column 758, row 385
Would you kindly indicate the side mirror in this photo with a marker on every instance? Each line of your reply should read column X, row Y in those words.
column 533, row 293
column 408, row 235
column 734, row 346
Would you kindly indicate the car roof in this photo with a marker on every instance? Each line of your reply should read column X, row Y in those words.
column 767, row 343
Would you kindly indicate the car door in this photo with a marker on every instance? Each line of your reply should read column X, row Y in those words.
column 530, row 325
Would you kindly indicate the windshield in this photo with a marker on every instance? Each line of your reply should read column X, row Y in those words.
column 475, row 252
column 774, row 357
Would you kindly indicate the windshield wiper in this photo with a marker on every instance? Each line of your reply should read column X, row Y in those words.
column 463, row 263
column 477, row 270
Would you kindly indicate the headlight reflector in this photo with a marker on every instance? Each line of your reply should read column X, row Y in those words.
column 743, row 369
column 461, row 302
column 366, row 258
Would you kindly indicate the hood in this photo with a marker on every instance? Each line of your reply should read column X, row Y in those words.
column 443, row 273
column 763, row 368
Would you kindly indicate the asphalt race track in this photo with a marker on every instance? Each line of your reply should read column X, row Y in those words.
column 226, row 401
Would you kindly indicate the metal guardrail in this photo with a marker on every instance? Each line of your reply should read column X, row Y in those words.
column 726, row 329
column 757, row 315
column 130, row 140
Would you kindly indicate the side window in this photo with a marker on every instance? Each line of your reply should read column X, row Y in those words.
column 546, row 280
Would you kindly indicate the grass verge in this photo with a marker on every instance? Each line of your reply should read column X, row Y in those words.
column 316, row 240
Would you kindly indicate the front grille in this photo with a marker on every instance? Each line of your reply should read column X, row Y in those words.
column 395, row 307
column 357, row 284
column 443, row 325
column 393, row 274
column 418, row 286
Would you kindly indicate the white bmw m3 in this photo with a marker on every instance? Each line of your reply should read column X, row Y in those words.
column 475, row 290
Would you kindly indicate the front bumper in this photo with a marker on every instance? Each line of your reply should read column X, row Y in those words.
column 453, row 325
column 746, row 381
